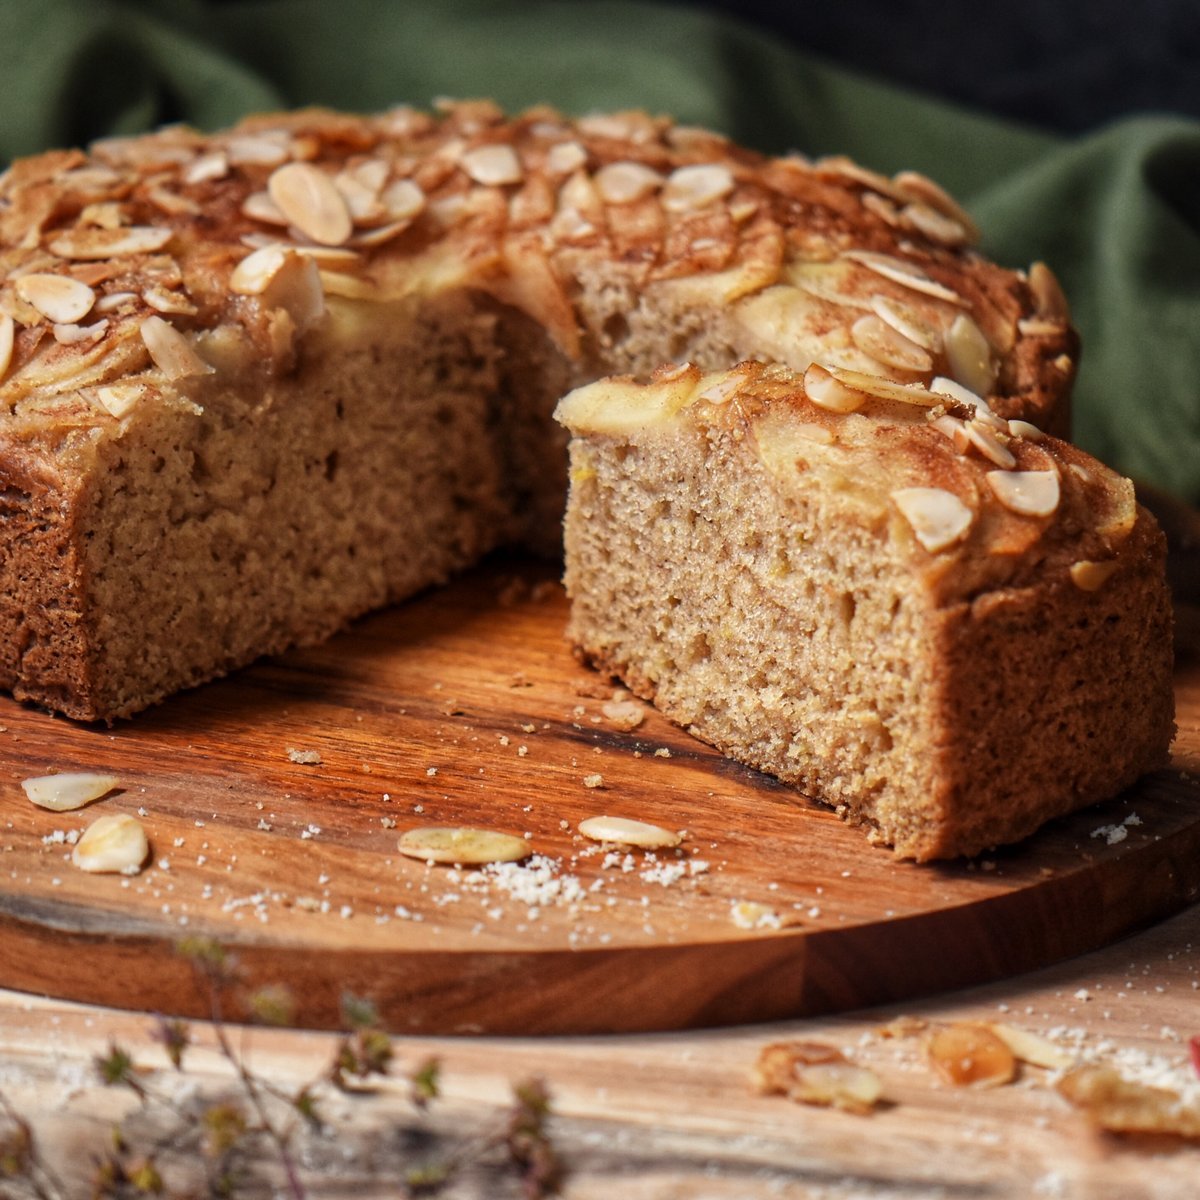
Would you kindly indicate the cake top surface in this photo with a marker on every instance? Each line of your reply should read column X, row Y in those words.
column 117, row 264
column 972, row 500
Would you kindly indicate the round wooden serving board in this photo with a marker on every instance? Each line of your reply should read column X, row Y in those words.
column 465, row 707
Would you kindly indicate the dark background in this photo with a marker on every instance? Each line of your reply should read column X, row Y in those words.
column 1063, row 65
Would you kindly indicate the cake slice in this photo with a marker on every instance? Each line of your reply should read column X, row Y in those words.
column 946, row 624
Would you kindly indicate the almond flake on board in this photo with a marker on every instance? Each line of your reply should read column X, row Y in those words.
column 463, row 845
column 69, row 790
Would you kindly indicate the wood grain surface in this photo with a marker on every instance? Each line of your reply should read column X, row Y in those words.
column 465, row 707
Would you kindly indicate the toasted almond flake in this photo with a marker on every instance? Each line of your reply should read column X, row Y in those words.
column 95, row 243
column 1048, row 297
column 628, row 832
column 76, row 335
column 906, row 393
column 826, row 392
column 493, row 166
column 907, row 321
column 165, row 300
column 1024, row 429
column 847, row 168
column 402, row 199
column 1090, row 576
column 565, row 157
column 463, row 845
column 1120, row 1105
column 919, row 189
column 251, row 276
column 938, row 518
column 1031, row 1048
column 259, row 206
column 362, row 202
column 814, row 1073
column 171, row 351
column 172, row 203
column 57, row 297
column 882, row 207
column 885, row 344
column 969, row 355
column 1030, row 493
column 985, row 440
column 68, row 791
column 569, row 225
column 625, row 182
column 968, row 1055
column 307, row 196
column 380, row 234
column 119, row 398
column 115, row 843
column 263, row 150
column 933, row 225
column 214, row 165
column 696, row 185
column 1039, row 327
column 7, row 335
column 903, row 273
column 114, row 300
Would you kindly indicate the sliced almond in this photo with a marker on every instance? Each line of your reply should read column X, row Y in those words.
column 259, row 206
column 463, row 845
column 919, row 189
column 907, row 321
column 1048, row 297
column 1031, row 1048
column 165, row 300
column 252, row 275
column 263, row 150
column 626, row 182
column 985, row 440
column 58, row 297
column 968, row 1055
column 171, row 351
column 565, row 157
column 68, row 791
column 938, row 518
column 115, row 843
column 403, row 199
column 696, row 186
column 904, row 273
column 7, row 335
column 307, row 196
column 1030, row 493
column 827, row 392
column 96, row 243
column 214, row 165
column 1090, row 576
column 1023, row 429
column 79, row 335
column 887, row 345
column 493, row 166
column 628, row 832
column 1120, row 1105
column 934, row 225
column 904, row 393
column 969, row 355
column 117, row 399
column 813, row 1073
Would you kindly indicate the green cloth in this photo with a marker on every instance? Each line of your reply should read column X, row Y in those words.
column 1116, row 214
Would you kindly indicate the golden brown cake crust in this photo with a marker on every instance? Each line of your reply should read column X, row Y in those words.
column 162, row 297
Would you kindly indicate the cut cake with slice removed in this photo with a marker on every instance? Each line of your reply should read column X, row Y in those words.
column 257, row 382
column 949, row 627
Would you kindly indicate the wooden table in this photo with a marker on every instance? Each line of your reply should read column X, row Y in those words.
column 673, row 1116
